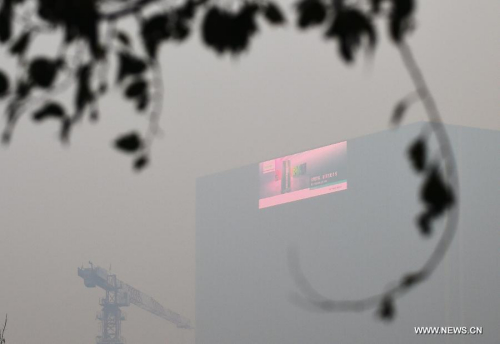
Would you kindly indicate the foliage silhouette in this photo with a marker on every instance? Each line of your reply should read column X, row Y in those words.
column 311, row 13
column 129, row 143
column 349, row 27
column 50, row 110
column 4, row 85
column 91, row 42
column 417, row 153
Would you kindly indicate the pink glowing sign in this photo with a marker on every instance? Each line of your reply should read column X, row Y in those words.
column 303, row 175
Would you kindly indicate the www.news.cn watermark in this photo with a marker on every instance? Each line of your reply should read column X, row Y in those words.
column 473, row 330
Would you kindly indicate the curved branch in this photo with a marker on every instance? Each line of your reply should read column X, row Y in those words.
column 128, row 9
column 156, row 112
column 398, row 288
column 450, row 165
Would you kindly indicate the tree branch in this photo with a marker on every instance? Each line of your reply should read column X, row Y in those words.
column 450, row 165
column 310, row 297
column 2, row 337
column 128, row 10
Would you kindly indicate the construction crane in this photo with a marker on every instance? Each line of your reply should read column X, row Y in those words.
column 120, row 294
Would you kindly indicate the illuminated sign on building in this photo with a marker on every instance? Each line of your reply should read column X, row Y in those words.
column 303, row 175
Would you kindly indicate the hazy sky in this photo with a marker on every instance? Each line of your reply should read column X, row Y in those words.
column 63, row 206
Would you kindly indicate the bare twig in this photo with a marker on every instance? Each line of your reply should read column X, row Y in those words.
column 2, row 333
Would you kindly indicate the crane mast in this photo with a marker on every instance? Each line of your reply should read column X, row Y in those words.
column 120, row 294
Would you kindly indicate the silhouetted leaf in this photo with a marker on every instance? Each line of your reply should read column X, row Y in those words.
column 154, row 30
column 244, row 26
column 435, row 193
column 180, row 30
column 400, row 18
column 23, row 89
column 214, row 25
column 311, row 12
column 417, row 154
column 141, row 162
column 43, row 71
column 123, row 38
column 54, row 110
column 349, row 27
column 129, row 65
column 129, row 143
column 80, row 19
column 274, row 14
column 230, row 32
column 84, row 95
column 66, row 126
column 387, row 310
column 142, row 102
column 50, row 110
column 187, row 10
column 4, row 84
column 182, row 19
column 20, row 46
column 424, row 223
column 399, row 111
column 437, row 197
column 5, row 20
column 136, row 89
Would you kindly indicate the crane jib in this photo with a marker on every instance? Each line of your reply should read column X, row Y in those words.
column 121, row 294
